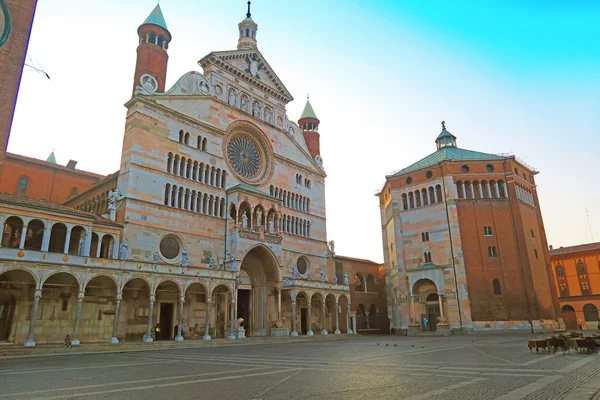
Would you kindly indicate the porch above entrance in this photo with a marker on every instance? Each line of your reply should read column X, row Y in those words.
column 432, row 272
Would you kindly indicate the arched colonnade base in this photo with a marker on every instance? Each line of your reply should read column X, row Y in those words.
column 42, row 305
column 269, row 307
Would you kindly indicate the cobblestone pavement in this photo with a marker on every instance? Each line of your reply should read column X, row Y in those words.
column 459, row 367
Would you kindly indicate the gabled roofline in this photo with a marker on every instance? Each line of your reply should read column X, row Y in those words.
column 282, row 93
column 52, row 165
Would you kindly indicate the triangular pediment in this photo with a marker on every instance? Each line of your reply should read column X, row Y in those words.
column 251, row 66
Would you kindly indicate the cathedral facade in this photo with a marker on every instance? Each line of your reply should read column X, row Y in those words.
column 464, row 245
column 214, row 225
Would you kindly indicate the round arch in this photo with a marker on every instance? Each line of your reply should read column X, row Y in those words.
column 168, row 280
column 101, row 275
column 26, row 270
column 261, row 249
column 136, row 278
column 54, row 273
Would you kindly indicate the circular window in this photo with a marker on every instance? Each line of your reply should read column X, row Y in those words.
column 248, row 155
column 489, row 168
column 429, row 174
column 302, row 265
column 409, row 180
column 244, row 156
column 465, row 168
column 170, row 247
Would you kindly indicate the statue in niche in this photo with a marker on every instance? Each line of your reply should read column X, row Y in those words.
column 184, row 257
column 123, row 250
column 272, row 225
column 295, row 272
column 244, row 221
column 332, row 246
column 232, row 98
column 244, row 104
column 149, row 83
column 256, row 110
column 335, row 279
column 269, row 116
column 233, row 263
column 211, row 263
column 203, row 86
column 259, row 215
column 113, row 197
column 155, row 257
column 322, row 275
column 346, row 279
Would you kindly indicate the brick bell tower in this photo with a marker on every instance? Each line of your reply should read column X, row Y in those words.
column 309, row 123
column 152, row 54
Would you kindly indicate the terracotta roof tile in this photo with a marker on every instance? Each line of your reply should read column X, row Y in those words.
column 356, row 259
column 9, row 198
column 52, row 165
column 580, row 248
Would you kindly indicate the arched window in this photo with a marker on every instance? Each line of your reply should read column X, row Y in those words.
column 584, row 281
column 199, row 143
column 187, row 138
column 204, row 144
column 404, row 202
column 438, row 194
column 497, row 288
column 181, row 136
column 590, row 313
column 560, row 271
column 22, row 187
column 359, row 283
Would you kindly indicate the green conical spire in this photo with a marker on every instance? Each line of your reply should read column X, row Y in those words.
column 51, row 158
column 308, row 111
column 156, row 18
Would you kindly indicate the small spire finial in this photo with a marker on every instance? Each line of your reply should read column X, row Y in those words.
column 307, row 96
column 248, row 13
column 443, row 125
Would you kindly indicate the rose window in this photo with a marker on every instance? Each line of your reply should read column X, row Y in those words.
column 244, row 156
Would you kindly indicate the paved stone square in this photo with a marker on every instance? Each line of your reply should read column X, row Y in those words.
column 459, row 367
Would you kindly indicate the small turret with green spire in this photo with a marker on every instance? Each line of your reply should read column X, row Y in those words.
column 309, row 123
column 51, row 158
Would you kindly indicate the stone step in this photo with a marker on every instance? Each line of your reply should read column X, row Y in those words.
column 18, row 350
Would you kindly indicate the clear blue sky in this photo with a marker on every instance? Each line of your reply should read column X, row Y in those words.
column 507, row 76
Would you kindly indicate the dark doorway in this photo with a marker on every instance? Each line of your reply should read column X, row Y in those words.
column 433, row 312
column 243, row 308
column 303, row 319
column 7, row 308
column 166, row 321
column 570, row 318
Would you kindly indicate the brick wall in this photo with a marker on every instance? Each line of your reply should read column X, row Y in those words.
column 12, row 56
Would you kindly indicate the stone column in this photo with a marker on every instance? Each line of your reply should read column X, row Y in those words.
column 115, row 249
column 179, row 337
column 294, row 333
column 170, row 197
column 34, row 308
column 46, row 237
column 368, row 323
column 23, row 236
column 99, row 247
column 278, row 303
column 441, row 305
column 309, row 332
column 324, row 318
column 176, row 199
column 148, row 336
column 67, row 241
column 172, row 166
column 337, row 318
column 354, row 323
column 349, row 321
column 2, row 225
column 75, row 339
column 88, row 243
column 489, row 190
column 412, row 308
column 232, row 319
column 464, row 192
column 207, row 325
column 115, row 330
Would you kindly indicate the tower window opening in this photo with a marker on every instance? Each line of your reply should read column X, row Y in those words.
column 247, row 31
